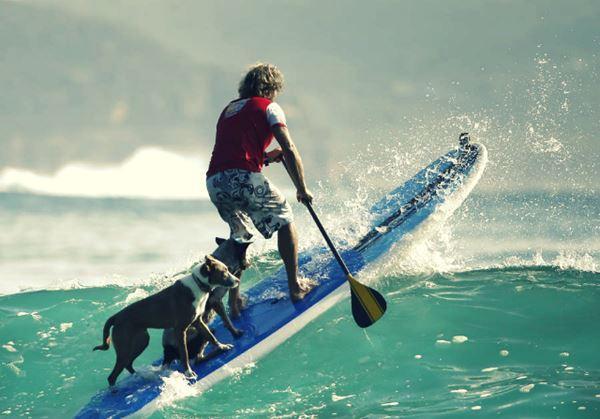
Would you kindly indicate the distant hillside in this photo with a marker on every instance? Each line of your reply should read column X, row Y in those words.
column 72, row 85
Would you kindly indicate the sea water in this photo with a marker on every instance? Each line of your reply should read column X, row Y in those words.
column 496, row 313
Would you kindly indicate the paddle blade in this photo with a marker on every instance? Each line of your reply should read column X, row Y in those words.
column 367, row 304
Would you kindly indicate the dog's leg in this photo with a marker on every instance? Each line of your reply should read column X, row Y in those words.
column 235, row 302
column 234, row 294
column 139, row 343
column 119, row 367
column 203, row 328
column 169, row 355
column 219, row 307
column 211, row 355
column 122, row 345
column 180, row 337
column 201, row 357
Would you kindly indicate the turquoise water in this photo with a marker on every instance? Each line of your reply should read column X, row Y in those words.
column 497, row 314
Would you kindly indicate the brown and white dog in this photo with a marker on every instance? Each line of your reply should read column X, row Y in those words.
column 233, row 254
column 176, row 306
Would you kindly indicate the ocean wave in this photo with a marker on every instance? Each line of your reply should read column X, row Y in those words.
column 563, row 261
column 149, row 172
column 74, row 285
column 443, row 251
column 509, row 269
column 140, row 288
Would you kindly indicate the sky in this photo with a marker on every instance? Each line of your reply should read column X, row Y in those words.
column 97, row 84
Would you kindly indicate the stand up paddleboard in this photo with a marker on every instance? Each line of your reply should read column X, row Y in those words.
column 270, row 317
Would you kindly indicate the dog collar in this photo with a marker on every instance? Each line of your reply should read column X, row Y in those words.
column 202, row 285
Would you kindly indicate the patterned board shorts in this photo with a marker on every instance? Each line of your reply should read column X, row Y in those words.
column 244, row 198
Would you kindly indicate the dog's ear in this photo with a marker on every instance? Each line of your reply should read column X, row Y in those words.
column 241, row 247
column 210, row 261
column 220, row 240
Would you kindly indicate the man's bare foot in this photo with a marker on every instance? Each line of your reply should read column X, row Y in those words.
column 304, row 287
column 238, row 305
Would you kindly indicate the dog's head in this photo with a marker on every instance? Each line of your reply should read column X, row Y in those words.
column 218, row 274
column 232, row 254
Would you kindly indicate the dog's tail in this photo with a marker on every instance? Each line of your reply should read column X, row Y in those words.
column 106, row 335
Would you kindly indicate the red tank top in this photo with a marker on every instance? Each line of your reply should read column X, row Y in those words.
column 244, row 133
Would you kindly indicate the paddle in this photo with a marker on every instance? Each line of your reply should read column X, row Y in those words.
column 368, row 305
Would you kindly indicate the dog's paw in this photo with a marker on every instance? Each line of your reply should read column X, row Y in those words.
column 225, row 346
column 237, row 333
column 190, row 375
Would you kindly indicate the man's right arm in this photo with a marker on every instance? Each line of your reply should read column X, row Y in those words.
column 293, row 162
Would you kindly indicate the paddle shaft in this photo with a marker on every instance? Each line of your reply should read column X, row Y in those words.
column 322, row 230
column 327, row 239
column 367, row 304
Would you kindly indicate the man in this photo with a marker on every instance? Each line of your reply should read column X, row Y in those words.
column 241, row 193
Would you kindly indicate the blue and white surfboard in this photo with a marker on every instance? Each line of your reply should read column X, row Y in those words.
column 270, row 318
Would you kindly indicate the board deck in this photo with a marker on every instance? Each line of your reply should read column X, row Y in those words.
column 270, row 317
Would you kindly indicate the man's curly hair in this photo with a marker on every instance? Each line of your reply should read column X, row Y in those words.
column 264, row 80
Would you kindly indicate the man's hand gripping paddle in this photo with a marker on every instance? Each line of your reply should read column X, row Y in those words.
column 368, row 305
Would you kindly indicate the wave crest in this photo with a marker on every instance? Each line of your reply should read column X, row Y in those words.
column 149, row 172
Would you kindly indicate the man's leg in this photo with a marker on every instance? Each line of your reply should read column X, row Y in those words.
column 287, row 243
column 219, row 187
column 236, row 302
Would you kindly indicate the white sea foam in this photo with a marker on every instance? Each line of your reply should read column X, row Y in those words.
column 136, row 295
column 175, row 387
column 571, row 260
column 65, row 326
column 459, row 339
column 336, row 398
column 574, row 260
column 527, row 388
column 9, row 348
column 66, row 285
column 460, row 391
column 148, row 173
column 34, row 314
column 12, row 366
column 564, row 260
column 430, row 246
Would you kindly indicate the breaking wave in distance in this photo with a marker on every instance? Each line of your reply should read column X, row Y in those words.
column 149, row 172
